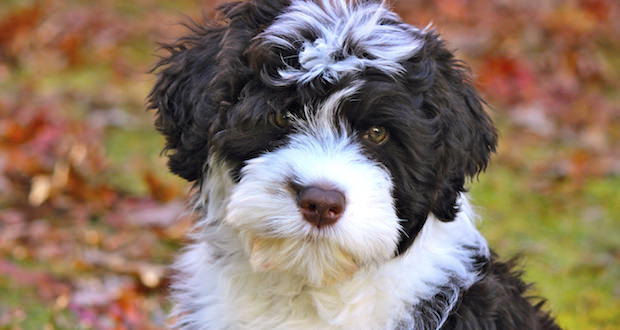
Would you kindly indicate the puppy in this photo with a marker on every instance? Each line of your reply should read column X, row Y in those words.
column 329, row 144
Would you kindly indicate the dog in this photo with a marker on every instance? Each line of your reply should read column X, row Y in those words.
column 329, row 144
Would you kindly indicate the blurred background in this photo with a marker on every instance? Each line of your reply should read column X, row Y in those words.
column 90, row 217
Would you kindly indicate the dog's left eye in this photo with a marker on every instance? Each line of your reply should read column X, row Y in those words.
column 376, row 134
column 281, row 120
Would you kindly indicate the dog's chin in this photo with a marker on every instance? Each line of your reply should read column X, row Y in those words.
column 318, row 262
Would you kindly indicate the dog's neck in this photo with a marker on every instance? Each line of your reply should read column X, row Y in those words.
column 218, row 288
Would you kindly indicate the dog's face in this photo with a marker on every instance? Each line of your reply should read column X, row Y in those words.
column 340, row 127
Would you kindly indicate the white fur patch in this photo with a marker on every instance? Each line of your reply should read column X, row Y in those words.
column 339, row 25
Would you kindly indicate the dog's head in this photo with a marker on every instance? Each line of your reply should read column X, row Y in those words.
column 340, row 128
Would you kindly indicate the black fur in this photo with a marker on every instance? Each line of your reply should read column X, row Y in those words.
column 201, row 81
column 499, row 301
column 212, row 97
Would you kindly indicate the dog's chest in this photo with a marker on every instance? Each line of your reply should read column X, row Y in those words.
column 260, row 301
column 232, row 296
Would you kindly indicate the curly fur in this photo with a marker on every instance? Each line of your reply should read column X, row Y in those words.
column 406, row 253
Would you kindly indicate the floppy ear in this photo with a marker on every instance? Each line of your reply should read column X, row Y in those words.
column 183, row 98
column 200, row 79
column 466, row 134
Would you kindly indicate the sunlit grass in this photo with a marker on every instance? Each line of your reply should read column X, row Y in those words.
column 567, row 241
column 134, row 151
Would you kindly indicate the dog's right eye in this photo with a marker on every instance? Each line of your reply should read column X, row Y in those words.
column 282, row 120
column 376, row 134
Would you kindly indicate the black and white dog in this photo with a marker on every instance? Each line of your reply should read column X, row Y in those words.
column 330, row 143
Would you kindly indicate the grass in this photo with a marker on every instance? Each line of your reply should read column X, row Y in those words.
column 134, row 151
column 27, row 311
column 567, row 241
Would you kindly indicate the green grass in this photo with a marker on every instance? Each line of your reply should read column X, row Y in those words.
column 569, row 242
column 131, row 152
column 28, row 311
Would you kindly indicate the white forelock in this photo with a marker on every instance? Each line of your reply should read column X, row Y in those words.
column 336, row 27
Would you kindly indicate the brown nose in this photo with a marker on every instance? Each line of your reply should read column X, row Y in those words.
column 320, row 207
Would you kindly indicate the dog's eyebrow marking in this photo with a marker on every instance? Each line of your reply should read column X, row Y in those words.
column 333, row 37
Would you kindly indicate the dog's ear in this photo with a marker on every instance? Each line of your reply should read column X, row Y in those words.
column 466, row 136
column 200, row 78
column 182, row 98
